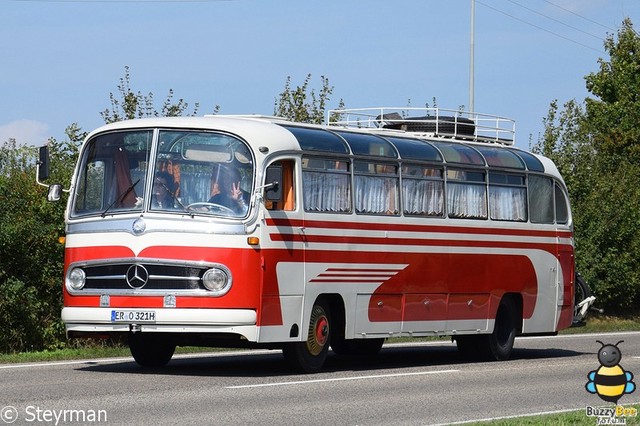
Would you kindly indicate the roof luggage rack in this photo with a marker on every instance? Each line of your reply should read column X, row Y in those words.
column 430, row 122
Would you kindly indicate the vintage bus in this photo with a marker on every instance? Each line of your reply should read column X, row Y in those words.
column 253, row 231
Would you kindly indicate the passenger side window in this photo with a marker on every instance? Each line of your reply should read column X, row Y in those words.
column 466, row 194
column 562, row 209
column 376, row 188
column 326, row 185
column 507, row 197
column 422, row 190
column 286, row 201
column 541, row 199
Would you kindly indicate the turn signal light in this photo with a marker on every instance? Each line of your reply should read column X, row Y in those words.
column 253, row 241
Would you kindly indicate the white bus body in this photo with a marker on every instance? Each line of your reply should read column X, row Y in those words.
column 255, row 231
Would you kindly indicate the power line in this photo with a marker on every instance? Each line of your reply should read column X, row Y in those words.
column 579, row 16
column 555, row 20
column 120, row 1
column 540, row 28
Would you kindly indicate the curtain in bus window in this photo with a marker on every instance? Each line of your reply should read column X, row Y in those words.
column 376, row 195
column 326, row 192
column 466, row 200
column 507, row 203
column 195, row 186
column 423, row 197
column 123, row 178
column 540, row 199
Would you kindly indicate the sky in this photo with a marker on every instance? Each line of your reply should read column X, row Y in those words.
column 60, row 60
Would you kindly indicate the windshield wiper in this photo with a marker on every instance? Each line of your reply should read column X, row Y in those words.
column 120, row 198
column 186, row 210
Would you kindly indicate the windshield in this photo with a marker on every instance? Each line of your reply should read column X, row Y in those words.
column 193, row 172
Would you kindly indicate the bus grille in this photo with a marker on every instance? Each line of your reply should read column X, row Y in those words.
column 144, row 277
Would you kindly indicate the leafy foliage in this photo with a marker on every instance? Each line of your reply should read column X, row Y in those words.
column 596, row 146
column 30, row 256
column 302, row 104
column 130, row 104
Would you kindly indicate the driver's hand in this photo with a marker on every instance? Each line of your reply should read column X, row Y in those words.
column 236, row 192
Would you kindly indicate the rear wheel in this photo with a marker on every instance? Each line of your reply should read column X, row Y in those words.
column 498, row 345
column 151, row 350
column 309, row 356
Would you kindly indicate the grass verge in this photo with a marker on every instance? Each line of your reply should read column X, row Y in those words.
column 87, row 351
column 604, row 324
column 570, row 418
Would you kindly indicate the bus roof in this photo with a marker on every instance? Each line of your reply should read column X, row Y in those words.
column 454, row 139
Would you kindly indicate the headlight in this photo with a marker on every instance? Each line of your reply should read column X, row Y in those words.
column 217, row 280
column 77, row 279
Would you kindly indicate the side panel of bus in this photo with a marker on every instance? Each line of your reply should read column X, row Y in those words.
column 419, row 277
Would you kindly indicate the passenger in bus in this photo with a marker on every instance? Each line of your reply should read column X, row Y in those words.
column 227, row 191
column 163, row 192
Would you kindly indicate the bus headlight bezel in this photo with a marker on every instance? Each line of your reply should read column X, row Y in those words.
column 76, row 279
column 217, row 280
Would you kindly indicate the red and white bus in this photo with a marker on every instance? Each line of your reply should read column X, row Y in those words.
column 252, row 231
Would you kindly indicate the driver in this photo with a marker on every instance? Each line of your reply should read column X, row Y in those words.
column 163, row 192
column 227, row 191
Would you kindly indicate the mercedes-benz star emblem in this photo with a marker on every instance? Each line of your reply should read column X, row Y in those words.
column 137, row 276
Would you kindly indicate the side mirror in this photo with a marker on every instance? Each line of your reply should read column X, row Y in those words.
column 42, row 173
column 54, row 192
column 273, row 189
column 43, row 163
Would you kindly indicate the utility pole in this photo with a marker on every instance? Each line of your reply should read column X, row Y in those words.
column 471, row 56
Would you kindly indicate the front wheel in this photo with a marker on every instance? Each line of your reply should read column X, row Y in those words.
column 309, row 356
column 150, row 350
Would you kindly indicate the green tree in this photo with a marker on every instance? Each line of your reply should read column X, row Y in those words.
column 129, row 104
column 31, row 258
column 596, row 145
column 302, row 104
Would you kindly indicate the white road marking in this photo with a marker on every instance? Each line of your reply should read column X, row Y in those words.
column 341, row 379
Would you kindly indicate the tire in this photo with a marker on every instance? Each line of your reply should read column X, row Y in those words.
column 580, row 292
column 356, row 347
column 151, row 350
column 498, row 345
column 309, row 356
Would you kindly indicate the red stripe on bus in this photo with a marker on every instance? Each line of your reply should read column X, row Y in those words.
column 381, row 241
column 447, row 229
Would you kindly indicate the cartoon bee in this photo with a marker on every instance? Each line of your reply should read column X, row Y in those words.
column 610, row 381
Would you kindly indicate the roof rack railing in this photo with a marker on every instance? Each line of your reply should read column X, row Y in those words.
column 431, row 122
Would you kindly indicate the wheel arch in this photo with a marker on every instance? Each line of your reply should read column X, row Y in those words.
column 336, row 308
column 516, row 300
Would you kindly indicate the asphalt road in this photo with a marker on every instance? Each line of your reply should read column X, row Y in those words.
column 414, row 384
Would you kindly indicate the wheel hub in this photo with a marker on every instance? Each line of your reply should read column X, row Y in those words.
column 318, row 331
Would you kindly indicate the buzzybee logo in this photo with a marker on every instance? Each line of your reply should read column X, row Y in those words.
column 610, row 381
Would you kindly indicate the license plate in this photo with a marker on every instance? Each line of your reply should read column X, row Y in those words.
column 133, row 316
